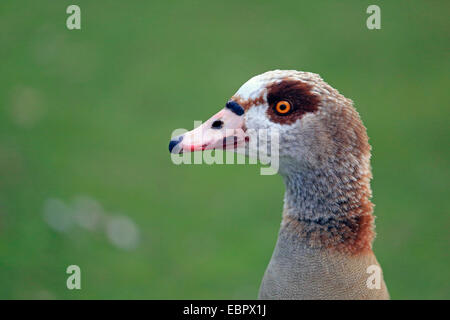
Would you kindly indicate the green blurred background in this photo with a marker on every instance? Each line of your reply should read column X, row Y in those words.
column 86, row 115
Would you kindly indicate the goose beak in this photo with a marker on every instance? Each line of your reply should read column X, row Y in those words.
column 224, row 130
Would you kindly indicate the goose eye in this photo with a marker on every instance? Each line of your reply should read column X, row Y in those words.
column 283, row 107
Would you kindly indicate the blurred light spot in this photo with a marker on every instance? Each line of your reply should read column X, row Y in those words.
column 58, row 215
column 47, row 42
column 71, row 61
column 26, row 107
column 122, row 232
column 87, row 212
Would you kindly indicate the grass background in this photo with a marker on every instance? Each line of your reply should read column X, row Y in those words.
column 90, row 112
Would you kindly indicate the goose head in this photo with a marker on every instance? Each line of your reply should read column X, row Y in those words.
column 324, row 158
column 317, row 128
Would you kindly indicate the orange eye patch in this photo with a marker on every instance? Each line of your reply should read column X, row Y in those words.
column 283, row 107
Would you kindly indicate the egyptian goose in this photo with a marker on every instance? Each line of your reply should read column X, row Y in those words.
column 324, row 247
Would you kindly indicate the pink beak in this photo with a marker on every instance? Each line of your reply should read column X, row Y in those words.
column 224, row 130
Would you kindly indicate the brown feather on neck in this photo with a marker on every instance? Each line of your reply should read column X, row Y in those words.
column 328, row 204
column 350, row 234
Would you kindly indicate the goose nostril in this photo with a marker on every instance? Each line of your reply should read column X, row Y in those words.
column 218, row 124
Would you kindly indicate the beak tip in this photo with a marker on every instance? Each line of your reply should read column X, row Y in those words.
column 174, row 142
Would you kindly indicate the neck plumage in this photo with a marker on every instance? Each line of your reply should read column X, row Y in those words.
column 330, row 207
